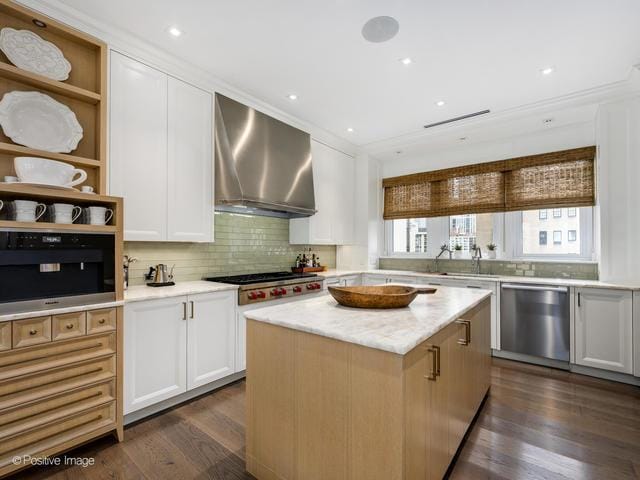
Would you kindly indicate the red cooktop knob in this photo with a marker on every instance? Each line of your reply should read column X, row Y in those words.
column 261, row 294
column 283, row 291
column 253, row 295
column 274, row 292
column 297, row 289
column 309, row 286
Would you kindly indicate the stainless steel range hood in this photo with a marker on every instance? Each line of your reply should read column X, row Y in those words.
column 262, row 165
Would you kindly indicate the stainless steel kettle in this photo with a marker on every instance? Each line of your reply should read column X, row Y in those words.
column 161, row 275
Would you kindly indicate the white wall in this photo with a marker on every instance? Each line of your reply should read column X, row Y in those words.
column 548, row 140
column 618, row 199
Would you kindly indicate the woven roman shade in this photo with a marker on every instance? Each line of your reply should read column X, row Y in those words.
column 556, row 179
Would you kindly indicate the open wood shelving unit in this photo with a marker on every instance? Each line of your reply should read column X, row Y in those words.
column 84, row 92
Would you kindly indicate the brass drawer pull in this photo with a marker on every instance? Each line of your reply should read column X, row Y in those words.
column 467, row 332
column 434, row 371
column 69, row 326
column 101, row 321
column 33, row 331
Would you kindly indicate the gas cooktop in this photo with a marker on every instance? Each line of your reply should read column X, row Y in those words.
column 262, row 278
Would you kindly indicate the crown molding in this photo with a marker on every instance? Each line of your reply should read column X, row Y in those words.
column 139, row 49
column 594, row 96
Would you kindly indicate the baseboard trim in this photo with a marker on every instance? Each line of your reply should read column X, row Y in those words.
column 520, row 357
column 183, row 397
column 606, row 375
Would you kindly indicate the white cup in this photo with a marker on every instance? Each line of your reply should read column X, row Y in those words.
column 86, row 189
column 48, row 172
column 27, row 211
column 64, row 213
column 98, row 215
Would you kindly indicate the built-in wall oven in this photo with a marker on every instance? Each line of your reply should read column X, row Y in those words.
column 41, row 270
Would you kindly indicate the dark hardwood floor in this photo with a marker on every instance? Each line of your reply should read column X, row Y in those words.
column 537, row 423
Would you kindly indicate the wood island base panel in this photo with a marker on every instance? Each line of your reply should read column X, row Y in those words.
column 320, row 408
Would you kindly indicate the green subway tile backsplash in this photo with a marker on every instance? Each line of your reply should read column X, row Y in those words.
column 580, row 271
column 243, row 244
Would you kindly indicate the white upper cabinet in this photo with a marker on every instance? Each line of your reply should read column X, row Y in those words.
column 603, row 328
column 333, row 184
column 161, row 154
column 190, row 205
column 138, row 147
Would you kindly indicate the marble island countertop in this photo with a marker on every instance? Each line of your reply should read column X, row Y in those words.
column 395, row 330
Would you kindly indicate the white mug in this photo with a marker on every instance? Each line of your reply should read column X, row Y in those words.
column 98, row 215
column 86, row 189
column 27, row 211
column 64, row 213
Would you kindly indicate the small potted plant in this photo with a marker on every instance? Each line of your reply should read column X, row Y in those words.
column 457, row 251
column 491, row 250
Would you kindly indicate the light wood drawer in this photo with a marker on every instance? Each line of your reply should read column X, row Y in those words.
column 5, row 336
column 69, row 325
column 16, row 387
column 30, row 387
column 101, row 320
column 28, row 416
column 31, row 331
column 25, row 361
column 39, row 438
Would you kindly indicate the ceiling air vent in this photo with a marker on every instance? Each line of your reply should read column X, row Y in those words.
column 456, row 119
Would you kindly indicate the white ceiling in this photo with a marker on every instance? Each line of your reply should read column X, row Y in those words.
column 473, row 54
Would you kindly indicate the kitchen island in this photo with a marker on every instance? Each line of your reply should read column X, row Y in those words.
column 341, row 393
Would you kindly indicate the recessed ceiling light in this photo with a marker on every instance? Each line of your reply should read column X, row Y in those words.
column 350, row 130
column 175, row 31
column 547, row 70
column 406, row 61
column 292, row 96
column 440, row 103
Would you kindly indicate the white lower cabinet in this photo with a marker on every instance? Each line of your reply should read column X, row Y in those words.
column 603, row 329
column 155, row 352
column 241, row 342
column 211, row 335
column 173, row 345
column 636, row 333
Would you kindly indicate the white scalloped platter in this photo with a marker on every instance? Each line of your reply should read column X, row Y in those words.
column 36, row 120
column 31, row 52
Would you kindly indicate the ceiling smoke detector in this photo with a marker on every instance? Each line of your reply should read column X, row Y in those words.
column 380, row 29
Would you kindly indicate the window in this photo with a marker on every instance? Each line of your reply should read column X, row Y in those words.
column 470, row 230
column 409, row 236
column 542, row 238
column 570, row 232
column 542, row 214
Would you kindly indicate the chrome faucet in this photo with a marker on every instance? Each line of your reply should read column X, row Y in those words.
column 443, row 248
column 476, row 257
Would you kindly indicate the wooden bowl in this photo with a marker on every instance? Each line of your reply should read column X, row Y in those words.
column 383, row 296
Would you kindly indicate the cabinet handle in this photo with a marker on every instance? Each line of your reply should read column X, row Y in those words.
column 433, row 369
column 33, row 331
column 184, row 310
column 467, row 332
column 578, row 298
column 101, row 321
column 69, row 326
column 193, row 309
column 437, row 349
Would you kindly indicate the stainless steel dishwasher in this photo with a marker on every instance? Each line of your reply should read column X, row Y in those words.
column 534, row 320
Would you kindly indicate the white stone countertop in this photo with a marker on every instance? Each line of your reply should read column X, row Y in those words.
column 568, row 282
column 138, row 293
column 393, row 330
column 59, row 311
